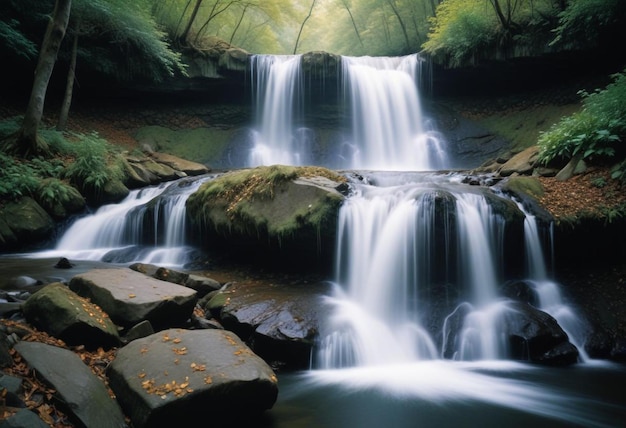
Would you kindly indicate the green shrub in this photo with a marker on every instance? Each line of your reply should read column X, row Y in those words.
column 594, row 133
column 17, row 179
column 95, row 164
column 53, row 190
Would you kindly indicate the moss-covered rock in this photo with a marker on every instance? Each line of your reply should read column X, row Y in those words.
column 292, row 210
column 23, row 222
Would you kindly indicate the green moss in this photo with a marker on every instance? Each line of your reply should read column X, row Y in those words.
column 525, row 185
column 203, row 145
column 523, row 127
column 237, row 201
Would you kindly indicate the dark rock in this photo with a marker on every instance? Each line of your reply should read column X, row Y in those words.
column 178, row 377
column 63, row 263
column 520, row 291
column 143, row 329
column 280, row 322
column 22, row 223
column 170, row 275
column 79, row 391
column 13, row 388
column 23, row 418
column 537, row 337
column 130, row 297
column 67, row 316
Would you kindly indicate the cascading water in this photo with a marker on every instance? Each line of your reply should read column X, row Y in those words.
column 394, row 242
column 549, row 296
column 277, row 89
column 387, row 131
column 121, row 233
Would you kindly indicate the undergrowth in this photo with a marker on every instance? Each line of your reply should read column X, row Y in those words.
column 80, row 160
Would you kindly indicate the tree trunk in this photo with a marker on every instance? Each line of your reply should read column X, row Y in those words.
column 69, row 87
column 295, row 48
column 27, row 140
column 402, row 26
column 192, row 18
column 356, row 30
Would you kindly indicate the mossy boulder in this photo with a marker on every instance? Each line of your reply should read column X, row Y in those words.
column 23, row 222
column 267, row 210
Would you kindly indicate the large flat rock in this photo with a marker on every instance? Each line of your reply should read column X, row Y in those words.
column 129, row 297
column 80, row 391
column 183, row 377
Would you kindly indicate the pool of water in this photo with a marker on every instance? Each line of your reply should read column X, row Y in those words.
column 448, row 394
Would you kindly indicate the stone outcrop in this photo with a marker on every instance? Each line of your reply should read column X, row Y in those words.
column 280, row 322
column 177, row 377
column 73, row 319
column 129, row 297
column 266, row 211
column 79, row 391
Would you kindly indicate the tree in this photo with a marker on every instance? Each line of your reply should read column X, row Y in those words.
column 27, row 141
column 295, row 48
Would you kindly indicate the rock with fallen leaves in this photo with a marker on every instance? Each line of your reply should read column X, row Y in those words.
column 177, row 377
column 130, row 297
column 66, row 315
column 83, row 395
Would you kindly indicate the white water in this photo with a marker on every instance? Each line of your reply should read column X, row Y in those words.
column 386, row 251
column 277, row 89
column 118, row 232
column 387, row 122
column 548, row 292
column 387, row 130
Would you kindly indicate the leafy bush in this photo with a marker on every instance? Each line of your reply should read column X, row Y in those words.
column 96, row 163
column 16, row 179
column 594, row 133
column 53, row 190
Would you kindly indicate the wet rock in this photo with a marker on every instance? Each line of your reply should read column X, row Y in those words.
column 79, row 391
column 178, row 377
column 65, row 315
column 281, row 322
column 520, row 291
column 537, row 337
column 130, row 297
column 63, row 263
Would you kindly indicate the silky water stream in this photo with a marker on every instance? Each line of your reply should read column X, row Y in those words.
column 414, row 250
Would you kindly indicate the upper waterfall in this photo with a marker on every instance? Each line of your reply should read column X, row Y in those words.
column 384, row 127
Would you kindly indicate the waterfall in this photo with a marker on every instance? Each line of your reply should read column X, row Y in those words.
column 121, row 232
column 277, row 93
column 390, row 253
column 549, row 295
column 387, row 130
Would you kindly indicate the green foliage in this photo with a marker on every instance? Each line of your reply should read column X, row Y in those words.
column 463, row 31
column 53, row 190
column 460, row 30
column 96, row 163
column 124, row 40
column 583, row 22
column 593, row 133
column 17, row 179
column 15, row 40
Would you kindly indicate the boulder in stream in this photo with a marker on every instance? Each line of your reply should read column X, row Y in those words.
column 179, row 377
column 130, row 297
